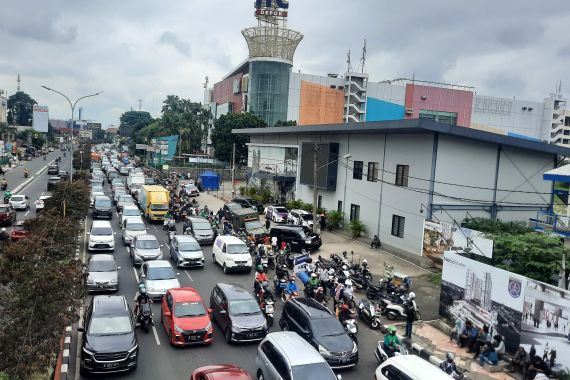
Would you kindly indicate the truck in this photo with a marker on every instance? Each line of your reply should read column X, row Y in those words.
column 154, row 201
column 134, row 182
column 247, row 219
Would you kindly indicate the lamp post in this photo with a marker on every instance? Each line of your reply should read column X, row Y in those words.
column 72, row 105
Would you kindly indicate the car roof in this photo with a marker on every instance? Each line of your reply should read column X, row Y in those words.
column 228, row 239
column 102, row 257
column 130, row 207
column 300, row 211
column 295, row 348
column 287, row 227
column 134, row 219
column 110, row 305
column 185, row 294
column 101, row 223
column 102, row 196
column 17, row 195
column 194, row 219
column 158, row 264
column 234, row 291
column 415, row 366
column 232, row 204
column 185, row 239
column 146, row 237
column 312, row 307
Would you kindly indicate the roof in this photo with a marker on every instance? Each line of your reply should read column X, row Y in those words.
column 417, row 367
column 185, row 239
column 228, row 239
column 147, row 237
column 234, row 291
column 103, row 257
column 185, row 294
column 110, row 305
column 315, row 309
column 297, row 349
column 560, row 174
column 408, row 126
column 101, row 223
column 158, row 264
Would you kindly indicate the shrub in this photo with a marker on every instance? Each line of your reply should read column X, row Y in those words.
column 242, row 190
column 357, row 228
column 334, row 219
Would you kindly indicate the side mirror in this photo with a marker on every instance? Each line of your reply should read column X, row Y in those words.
column 223, row 312
column 118, row 268
column 162, row 245
column 114, row 233
column 167, row 314
column 81, row 329
column 143, row 275
column 178, row 274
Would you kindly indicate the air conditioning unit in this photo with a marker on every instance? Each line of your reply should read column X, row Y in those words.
column 424, row 97
column 409, row 111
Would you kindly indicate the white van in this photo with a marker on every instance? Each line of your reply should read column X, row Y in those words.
column 101, row 236
column 232, row 254
column 409, row 367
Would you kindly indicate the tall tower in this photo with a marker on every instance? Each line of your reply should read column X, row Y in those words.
column 271, row 46
column 355, row 92
column 19, row 81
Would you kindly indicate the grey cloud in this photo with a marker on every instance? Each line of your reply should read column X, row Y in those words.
column 170, row 38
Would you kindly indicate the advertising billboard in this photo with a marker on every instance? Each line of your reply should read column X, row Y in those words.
column 524, row 311
column 441, row 237
column 40, row 118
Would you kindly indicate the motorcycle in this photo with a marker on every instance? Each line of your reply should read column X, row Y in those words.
column 145, row 316
column 381, row 354
column 351, row 329
column 26, row 174
column 360, row 280
column 271, row 260
column 4, row 186
column 369, row 313
column 45, row 158
column 171, row 235
column 267, row 307
column 398, row 311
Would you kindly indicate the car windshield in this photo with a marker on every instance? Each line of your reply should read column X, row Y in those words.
column 244, row 307
column 202, row 226
column 18, row 228
column 131, row 212
column 125, row 197
column 189, row 309
column 135, row 226
column 161, row 273
column 102, row 266
column 97, row 189
column 101, row 231
column 148, row 244
column 110, row 325
column 18, row 198
column 236, row 248
column 307, row 217
column 4, row 208
column 102, row 202
column 159, row 206
column 313, row 371
column 117, row 181
column 253, row 225
column 327, row 327
column 189, row 246
column 280, row 209
column 149, row 181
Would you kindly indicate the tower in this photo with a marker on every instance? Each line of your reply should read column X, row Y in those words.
column 355, row 91
column 19, row 81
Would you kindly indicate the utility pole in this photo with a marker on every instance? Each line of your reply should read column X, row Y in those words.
column 316, row 150
column 233, row 170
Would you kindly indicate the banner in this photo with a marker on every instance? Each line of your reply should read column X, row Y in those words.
column 300, row 262
column 441, row 237
column 524, row 311
column 40, row 118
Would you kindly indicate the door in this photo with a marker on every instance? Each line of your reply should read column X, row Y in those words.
column 143, row 272
column 167, row 307
column 224, row 312
column 223, row 254
column 174, row 250
column 215, row 304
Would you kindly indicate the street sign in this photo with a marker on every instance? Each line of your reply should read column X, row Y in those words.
column 300, row 262
column 140, row 147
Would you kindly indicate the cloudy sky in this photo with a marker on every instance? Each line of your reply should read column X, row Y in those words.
column 147, row 49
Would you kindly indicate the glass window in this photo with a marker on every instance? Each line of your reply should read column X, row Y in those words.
column 358, row 168
column 147, row 244
column 161, row 273
column 189, row 246
column 313, row 371
column 402, row 172
column 101, row 231
column 372, row 174
column 354, row 212
column 189, row 309
column 102, row 266
column 440, row 116
column 202, row 226
column 398, row 223
column 244, row 307
column 326, row 327
column 236, row 248
column 110, row 325
column 135, row 226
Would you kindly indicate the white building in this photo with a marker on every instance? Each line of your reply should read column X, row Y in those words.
column 401, row 172
column 3, row 107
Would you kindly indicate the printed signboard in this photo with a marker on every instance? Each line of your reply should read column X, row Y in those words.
column 40, row 118
column 300, row 262
column 441, row 237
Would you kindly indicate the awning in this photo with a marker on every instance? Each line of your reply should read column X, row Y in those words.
column 560, row 174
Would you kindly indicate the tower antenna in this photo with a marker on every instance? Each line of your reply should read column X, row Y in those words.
column 19, row 81
column 140, row 104
column 348, row 62
column 363, row 59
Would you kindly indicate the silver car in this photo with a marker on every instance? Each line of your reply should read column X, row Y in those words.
column 103, row 274
column 133, row 226
column 123, row 200
column 158, row 276
column 186, row 252
column 144, row 248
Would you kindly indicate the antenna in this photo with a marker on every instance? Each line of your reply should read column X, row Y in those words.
column 348, row 62
column 206, row 82
column 19, row 81
column 140, row 104
column 363, row 59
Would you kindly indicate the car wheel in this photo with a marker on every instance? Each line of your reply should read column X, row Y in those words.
column 228, row 336
column 225, row 269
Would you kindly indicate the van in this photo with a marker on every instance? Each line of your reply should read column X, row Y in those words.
column 102, row 207
column 285, row 355
column 101, row 236
column 409, row 367
column 232, row 254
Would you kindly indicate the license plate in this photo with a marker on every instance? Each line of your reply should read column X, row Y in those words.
column 111, row 365
column 193, row 338
column 251, row 335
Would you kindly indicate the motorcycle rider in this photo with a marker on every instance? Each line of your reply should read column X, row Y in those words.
column 313, row 284
column 344, row 314
column 260, row 277
column 4, row 236
column 348, row 292
column 26, row 171
column 320, row 295
column 4, row 183
column 140, row 298
column 448, row 366
column 7, row 196
column 291, row 290
column 391, row 342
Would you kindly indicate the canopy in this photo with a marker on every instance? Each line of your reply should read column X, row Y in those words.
column 210, row 180
column 559, row 174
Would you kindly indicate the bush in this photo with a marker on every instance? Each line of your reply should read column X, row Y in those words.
column 357, row 228
column 242, row 190
column 334, row 220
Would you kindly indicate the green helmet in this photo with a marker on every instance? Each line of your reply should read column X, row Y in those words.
column 259, row 268
column 391, row 329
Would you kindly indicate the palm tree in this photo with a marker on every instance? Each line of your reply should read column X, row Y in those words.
column 172, row 103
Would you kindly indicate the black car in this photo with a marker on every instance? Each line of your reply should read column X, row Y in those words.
column 228, row 207
column 249, row 202
column 63, row 174
column 237, row 313
column 52, row 169
column 102, row 207
column 300, row 237
column 318, row 326
column 109, row 339
column 52, row 182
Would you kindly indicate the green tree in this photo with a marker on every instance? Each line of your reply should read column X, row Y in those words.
column 223, row 139
column 134, row 121
column 20, row 109
column 288, row 123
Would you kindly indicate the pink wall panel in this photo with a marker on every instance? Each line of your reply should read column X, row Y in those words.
column 439, row 99
column 223, row 93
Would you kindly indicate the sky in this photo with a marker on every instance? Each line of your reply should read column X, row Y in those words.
column 146, row 49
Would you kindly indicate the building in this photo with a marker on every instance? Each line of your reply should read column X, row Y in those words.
column 392, row 175
column 112, row 130
column 3, row 107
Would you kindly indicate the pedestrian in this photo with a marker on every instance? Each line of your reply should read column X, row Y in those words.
column 410, row 318
column 323, row 221
column 274, row 243
column 267, row 224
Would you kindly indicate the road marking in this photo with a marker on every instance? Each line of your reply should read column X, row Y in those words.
column 136, row 274
column 79, row 344
column 24, row 184
column 42, row 169
column 188, row 274
column 155, row 335
column 26, row 214
column 84, row 241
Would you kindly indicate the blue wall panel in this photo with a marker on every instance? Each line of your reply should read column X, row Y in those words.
column 378, row 110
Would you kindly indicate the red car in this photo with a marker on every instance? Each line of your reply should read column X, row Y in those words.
column 7, row 214
column 185, row 317
column 18, row 232
column 220, row 372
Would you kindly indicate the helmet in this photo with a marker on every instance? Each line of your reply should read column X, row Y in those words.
column 345, row 267
column 313, row 275
column 259, row 268
column 331, row 271
column 412, row 296
column 143, row 290
column 291, row 278
column 320, row 289
column 391, row 329
column 348, row 282
column 141, row 286
column 3, row 229
column 344, row 306
column 364, row 262
column 450, row 356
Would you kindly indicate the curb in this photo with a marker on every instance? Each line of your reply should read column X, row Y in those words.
column 61, row 371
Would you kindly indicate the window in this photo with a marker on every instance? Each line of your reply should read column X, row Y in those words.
column 339, row 206
column 440, row 116
column 372, row 174
column 354, row 212
column 358, row 168
column 319, row 202
column 402, row 172
column 398, row 223
column 393, row 373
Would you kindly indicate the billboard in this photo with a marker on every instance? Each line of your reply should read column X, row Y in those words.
column 441, row 237
column 40, row 120
column 524, row 311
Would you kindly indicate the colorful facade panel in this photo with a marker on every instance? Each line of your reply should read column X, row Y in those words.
column 320, row 104
column 225, row 92
column 379, row 110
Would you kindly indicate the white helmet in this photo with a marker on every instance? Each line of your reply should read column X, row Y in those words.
column 331, row 271
column 3, row 229
column 412, row 296
column 348, row 282
column 364, row 261
column 345, row 267
column 314, row 275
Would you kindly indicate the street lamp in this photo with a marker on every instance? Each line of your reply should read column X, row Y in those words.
column 72, row 105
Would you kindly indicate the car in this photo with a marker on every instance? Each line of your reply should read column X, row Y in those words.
column 117, row 193
column 185, row 318
column 124, row 199
column 278, row 214
column 200, row 229
column 300, row 237
column 52, row 169
column 93, row 195
column 232, row 254
column 145, row 247
column 249, row 202
column 285, row 355
column 109, row 341
column 97, row 188
column 220, row 372
column 237, row 313
column 63, row 174
column 128, row 211
column 101, row 236
column 124, row 170
column 133, row 226
column 228, row 207
column 116, row 182
column 409, row 367
column 318, row 326
column 102, row 207
column 192, row 190
column 185, row 251
column 20, row 202
column 7, row 215
column 51, row 149
column 300, row 218
column 19, row 231
column 102, row 273
column 111, row 175
column 52, row 183
column 40, row 203
column 158, row 276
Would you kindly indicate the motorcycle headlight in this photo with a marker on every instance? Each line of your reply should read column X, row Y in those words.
column 323, row 351
column 354, row 348
column 177, row 329
column 307, row 242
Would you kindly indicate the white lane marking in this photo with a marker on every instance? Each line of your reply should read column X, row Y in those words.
column 79, row 344
column 188, row 274
column 136, row 274
column 84, row 241
column 24, row 184
column 26, row 214
column 155, row 335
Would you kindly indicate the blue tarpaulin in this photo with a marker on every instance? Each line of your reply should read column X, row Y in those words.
column 210, row 180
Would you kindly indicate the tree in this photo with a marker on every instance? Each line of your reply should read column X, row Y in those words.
column 133, row 121
column 288, row 123
column 223, row 139
column 21, row 109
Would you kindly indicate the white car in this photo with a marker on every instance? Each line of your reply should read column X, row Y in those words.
column 40, row 203
column 158, row 276
column 133, row 226
column 128, row 211
column 101, row 236
column 300, row 218
column 20, row 202
column 409, row 367
column 232, row 254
